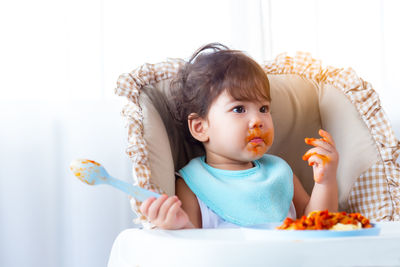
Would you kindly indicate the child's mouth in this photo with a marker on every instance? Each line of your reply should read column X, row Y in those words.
column 256, row 137
column 256, row 140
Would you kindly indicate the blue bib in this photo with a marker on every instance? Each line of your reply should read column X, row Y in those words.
column 258, row 195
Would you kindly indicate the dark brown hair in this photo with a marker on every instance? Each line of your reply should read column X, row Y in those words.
column 212, row 69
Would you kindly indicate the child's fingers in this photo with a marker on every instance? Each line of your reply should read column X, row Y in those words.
column 155, row 207
column 319, row 143
column 173, row 211
column 316, row 150
column 315, row 159
column 326, row 136
column 162, row 213
column 144, row 208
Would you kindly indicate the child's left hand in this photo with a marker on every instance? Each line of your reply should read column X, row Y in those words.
column 323, row 157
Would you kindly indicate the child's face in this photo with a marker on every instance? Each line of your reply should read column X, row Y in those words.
column 238, row 131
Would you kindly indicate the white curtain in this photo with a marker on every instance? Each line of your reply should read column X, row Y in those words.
column 59, row 62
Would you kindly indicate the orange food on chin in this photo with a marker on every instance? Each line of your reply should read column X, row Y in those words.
column 257, row 150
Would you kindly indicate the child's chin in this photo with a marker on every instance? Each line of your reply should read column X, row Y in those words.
column 256, row 154
column 255, row 157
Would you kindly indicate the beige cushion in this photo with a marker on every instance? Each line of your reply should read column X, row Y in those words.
column 299, row 109
column 354, row 142
column 158, row 147
column 295, row 114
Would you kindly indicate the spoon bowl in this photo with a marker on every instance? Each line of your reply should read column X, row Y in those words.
column 89, row 171
column 93, row 173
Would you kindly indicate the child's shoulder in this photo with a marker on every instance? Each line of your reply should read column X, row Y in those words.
column 194, row 162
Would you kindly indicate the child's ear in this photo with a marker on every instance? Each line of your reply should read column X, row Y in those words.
column 198, row 127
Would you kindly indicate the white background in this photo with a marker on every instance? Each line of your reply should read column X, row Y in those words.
column 59, row 63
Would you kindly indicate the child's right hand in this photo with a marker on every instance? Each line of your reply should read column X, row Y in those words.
column 166, row 212
column 323, row 157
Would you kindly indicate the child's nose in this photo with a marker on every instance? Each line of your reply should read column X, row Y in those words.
column 255, row 123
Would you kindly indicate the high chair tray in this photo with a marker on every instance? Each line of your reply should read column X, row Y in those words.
column 255, row 247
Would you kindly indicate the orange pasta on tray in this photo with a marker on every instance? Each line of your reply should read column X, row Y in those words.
column 325, row 220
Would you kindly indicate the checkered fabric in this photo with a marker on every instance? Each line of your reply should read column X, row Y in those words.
column 129, row 85
column 376, row 193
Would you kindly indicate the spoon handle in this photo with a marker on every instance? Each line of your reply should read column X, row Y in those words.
column 136, row 192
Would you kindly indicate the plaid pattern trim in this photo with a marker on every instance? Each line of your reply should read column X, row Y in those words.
column 129, row 85
column 376, row 193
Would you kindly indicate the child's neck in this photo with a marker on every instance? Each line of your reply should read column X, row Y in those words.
column 219, row 162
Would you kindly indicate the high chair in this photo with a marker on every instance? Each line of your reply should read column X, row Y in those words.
column 306, row 97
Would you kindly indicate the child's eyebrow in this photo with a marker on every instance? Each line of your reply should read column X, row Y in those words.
column 257, row 102
column 234, row 102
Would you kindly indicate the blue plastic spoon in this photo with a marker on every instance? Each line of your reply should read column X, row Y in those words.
column 93, row 173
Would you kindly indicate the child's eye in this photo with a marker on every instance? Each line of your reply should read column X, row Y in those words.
column 264, row 109
column 238, row 109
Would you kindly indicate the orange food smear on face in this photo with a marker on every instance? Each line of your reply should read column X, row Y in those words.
column 257, row 133
column 257, row 148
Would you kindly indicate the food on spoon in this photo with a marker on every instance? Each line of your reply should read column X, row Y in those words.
column 324, row 220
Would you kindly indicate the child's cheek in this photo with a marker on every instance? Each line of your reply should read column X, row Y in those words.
column 268, row 138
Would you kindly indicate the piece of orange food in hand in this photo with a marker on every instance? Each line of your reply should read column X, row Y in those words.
column 325, row 220
column 307, row 155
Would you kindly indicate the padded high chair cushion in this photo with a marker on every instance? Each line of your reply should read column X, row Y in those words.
column 305, row 98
